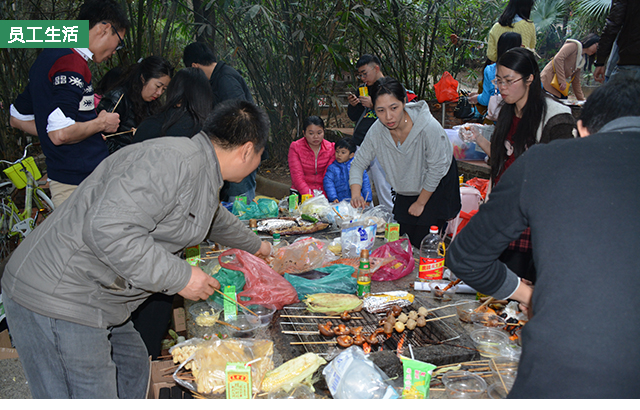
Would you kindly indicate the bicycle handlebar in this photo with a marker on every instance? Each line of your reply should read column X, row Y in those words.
column 24, row 155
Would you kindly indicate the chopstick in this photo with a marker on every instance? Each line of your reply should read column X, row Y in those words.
column 485, row 304
column 116, row 106
column 499, row 375
column 120, row 133
column 228, row 324
column 237, row 303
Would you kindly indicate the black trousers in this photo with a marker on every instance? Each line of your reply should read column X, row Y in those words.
column 152, row 320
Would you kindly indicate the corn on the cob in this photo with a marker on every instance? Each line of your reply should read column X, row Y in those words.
column 292, row 372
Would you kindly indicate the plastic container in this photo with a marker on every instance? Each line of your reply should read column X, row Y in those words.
column 431, row 260
column 497, row 391
column 247, row 327
column 463, row 385
column 441, row 284
column 465, row 310
column 489, row 342
column 205, row 314
column 264, row 312
column 506, row 366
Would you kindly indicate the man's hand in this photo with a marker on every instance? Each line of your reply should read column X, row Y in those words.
column 353, row 100
column 366, row 101
column 264, row 251
column 200, row 285
column 598, row 75
column 110, row 121
column 357, row 201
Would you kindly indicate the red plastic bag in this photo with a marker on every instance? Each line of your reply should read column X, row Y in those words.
column 403, row 265
column 480, row 184
column 446, row 88
column 263, row 284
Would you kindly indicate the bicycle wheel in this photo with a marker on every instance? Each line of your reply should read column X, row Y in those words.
column 8, row 242
column 43, row 204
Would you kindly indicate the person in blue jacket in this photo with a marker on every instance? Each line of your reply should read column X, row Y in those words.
column 336, row 179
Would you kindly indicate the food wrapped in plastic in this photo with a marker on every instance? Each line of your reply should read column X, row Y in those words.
column 381, row 302
column 210, row 359
column 303, row 255
column 299, row 370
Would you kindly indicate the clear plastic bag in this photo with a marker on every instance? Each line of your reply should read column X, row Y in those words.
column 209, row 361
column 302, row 255
column 318, row 205
column 351, row 375
column 357, row 236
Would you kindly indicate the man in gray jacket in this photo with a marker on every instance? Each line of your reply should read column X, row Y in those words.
column 71, row 286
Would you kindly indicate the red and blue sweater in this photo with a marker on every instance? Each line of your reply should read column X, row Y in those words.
column 60, row 78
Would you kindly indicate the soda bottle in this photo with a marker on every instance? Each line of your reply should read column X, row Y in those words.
column 431, row 261
column 364, row 276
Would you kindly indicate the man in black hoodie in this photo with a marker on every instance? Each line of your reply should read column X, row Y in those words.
column 226, row 84
column 623, row 23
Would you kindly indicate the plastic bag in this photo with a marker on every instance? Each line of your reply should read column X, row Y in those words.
column 446, row 88
column 378, row 215
column 318, row 205
column 303, row 255
column 352, row 376
column 227, row 277
column 263, row 285
column 339, row 280
column 209, row 361
column 258, row 209
column 402, row 265
column 480, row 184
column 357, row 236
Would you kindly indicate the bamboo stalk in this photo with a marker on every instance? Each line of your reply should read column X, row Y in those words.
column 237, row 303
column 116, row 106
column 314, row 343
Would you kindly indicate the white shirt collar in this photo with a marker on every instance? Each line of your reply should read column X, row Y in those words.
column 85, row 53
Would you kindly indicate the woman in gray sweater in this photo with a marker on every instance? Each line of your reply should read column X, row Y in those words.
column 417, row 157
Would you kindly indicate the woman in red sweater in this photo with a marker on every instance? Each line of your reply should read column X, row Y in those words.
column 309, row 157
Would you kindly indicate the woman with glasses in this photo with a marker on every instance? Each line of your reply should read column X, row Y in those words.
column 135, row 97
column 528, row 117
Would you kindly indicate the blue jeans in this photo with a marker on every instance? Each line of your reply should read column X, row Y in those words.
column 66, row 360
column 627, row 71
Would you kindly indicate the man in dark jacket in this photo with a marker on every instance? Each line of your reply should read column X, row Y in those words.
column 70, row 287
column 580, row 198
column 623, row 19
column 227, row 84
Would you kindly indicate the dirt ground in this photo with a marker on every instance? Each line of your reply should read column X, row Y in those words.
column 277, row 173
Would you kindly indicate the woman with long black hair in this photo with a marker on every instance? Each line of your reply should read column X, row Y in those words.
column 516, row 17
column 188, row 102
column 528, row 116
column 135, row 97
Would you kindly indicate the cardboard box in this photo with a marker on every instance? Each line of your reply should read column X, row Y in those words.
column 179, row 320
column 159, row 377
column 6, row 351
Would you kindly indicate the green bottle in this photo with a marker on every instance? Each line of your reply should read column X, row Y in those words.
column 364, row 274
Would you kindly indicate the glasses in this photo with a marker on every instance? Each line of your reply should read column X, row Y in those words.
column 506, row 84
column 363, row 74
column 121, row 43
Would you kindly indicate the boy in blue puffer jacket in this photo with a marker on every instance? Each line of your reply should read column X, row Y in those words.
column 336, row 179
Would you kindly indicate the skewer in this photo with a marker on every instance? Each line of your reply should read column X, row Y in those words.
column 439, row 318
column 116, row 106
column 314, row 343
column 485, row 304
column 337, row 213
column 119, row 133
column 319, row 317
column 237, row 303
column 301, row 332
column 499, row 375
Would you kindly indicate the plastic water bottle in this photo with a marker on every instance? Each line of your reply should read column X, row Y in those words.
column 431, row 261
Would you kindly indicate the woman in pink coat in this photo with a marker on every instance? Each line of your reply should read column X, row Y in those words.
column 309, row 157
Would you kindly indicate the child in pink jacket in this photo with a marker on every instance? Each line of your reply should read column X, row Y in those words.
column 309, row 157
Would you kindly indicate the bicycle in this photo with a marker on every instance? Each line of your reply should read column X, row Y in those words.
column 15, row 225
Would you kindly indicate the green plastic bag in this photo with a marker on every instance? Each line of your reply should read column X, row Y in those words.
column 227, row 277
column 264, row 208
column 339, row 280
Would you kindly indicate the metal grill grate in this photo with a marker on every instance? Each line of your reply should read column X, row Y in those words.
column 305, row 327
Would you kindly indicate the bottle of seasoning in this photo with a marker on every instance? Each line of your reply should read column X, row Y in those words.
column 276, row 239
column 364, row 274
